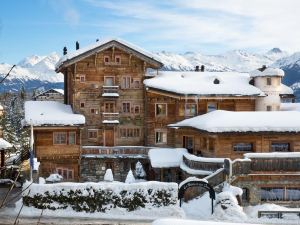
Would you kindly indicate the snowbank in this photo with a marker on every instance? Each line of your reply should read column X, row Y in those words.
column 40, row 113
column 203, row 159
column 166, row 157
column 203, row 83
column 193, row 222
column 54, row 178
column 257, row 121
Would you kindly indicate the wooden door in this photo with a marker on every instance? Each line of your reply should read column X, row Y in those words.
column 109, row 137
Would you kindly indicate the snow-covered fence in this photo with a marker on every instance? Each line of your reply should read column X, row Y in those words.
column 101, row 197
column 202, row 163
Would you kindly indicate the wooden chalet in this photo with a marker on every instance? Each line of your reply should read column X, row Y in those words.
column 50, row 95
column 57, row 137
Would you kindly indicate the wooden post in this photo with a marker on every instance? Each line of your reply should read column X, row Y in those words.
column 2, row 158
column 161, row 174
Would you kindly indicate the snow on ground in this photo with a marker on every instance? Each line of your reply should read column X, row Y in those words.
column 290, row 106
column 204, row 83
column 258, row 121
column 4, row 144
column 50, row 113
column 191, row 222
column 166, row 157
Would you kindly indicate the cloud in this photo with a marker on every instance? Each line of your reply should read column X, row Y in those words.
column 66, row 8
column 257, row 24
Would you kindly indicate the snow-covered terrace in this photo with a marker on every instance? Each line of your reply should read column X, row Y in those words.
column 50, row 113
column 204, row 83
column 258, row 121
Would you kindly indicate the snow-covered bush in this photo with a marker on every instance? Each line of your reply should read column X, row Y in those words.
column 101, row 197
column 130, row 178
column 54, row 177
column 42, row 180
column 139, row 171
column 108, row 176
column 227, row 207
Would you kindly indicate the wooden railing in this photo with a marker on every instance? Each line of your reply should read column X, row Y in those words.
column 202, row 165
column 110, row 91
column 123, row 150
column 216, row 178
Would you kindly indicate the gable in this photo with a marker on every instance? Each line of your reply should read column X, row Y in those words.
column 85, row 52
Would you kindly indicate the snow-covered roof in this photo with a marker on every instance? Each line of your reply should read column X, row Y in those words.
column 286, row 90
column 98, row 44
column 39, row 113
column 290, row 106
column 166, row 157
column 269, row 71
column 4, row 144
column 1, row 107
column 204, row 83
column 61, row 91
column 257, row 121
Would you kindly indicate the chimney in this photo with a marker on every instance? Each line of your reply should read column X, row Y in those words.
column 202, row 68
column 197, row 69
column 262, row 68
column 65, row 50
column 97, row 40
column 77, row 45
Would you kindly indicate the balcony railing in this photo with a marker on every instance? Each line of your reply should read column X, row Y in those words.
column 110, row 91
column 110, row 118
column 116, row 150
column 202, row 163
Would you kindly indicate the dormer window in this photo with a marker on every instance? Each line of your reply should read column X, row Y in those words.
column 216, row 81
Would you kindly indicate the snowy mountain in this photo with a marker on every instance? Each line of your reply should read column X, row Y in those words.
column 38, row 71
column 32, row 72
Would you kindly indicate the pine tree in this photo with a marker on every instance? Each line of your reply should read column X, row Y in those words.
column 130, row 178
column 108, row 175
column 139, row 170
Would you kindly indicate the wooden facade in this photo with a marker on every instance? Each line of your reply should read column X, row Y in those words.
column 58, row 150
column 177, row 108
column 235, row 145
column 107, row 88
column 50, row 95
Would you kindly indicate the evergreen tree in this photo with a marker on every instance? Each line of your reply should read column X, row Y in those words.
column 108, row 175
column 139, row 171
column 130, row 178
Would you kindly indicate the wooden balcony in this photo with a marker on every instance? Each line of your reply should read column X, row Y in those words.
column 110, row 91
column 110, row 118
column 141, row 151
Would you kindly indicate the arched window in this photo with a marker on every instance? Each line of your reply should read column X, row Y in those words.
column 216, row 81
column 245, row 196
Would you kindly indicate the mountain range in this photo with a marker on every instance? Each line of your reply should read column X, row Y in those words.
column 38, row 71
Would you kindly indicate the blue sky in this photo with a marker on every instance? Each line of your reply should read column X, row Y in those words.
column 208, row 26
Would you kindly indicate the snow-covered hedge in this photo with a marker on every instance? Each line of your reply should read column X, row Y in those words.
column 101, row 197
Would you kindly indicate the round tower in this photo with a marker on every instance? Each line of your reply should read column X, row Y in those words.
column 268, row 80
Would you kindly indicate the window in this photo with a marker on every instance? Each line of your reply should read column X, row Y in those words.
column 94, row 111
column 129, row 132
column 160, row 109
column 126, row 107
column 125, row 84
column 280, row 194
column 136, row 84
column 190, row 109
column 160, row 137
column 72, row 138
column 60, row 138
column 269, row 108
column 92, row 134
column 109, row 107
column 243, row 147
column 82, row 78
column 82, row 104
column 118, row 59
column 136, row 109
column 67, row 174
column 106, row 59
column 269, row 81
column 280, row 147
column 212, row 106
column 188, row 143
column 108, row 81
